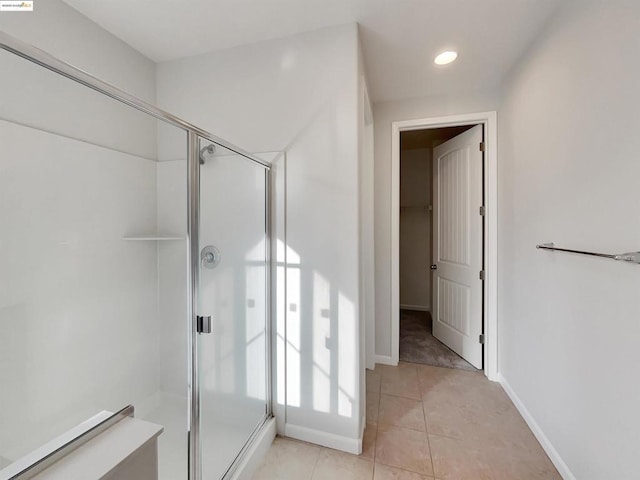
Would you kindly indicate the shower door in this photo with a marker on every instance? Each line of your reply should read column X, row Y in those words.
column 232, row 289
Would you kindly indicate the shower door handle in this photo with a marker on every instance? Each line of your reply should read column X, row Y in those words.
column 203, row 324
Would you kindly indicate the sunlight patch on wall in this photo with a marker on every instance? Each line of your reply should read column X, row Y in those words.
column 346, row 357
column 293, row 336
column 321, row 342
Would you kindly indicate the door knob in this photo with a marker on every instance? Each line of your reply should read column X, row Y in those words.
column 434, row 267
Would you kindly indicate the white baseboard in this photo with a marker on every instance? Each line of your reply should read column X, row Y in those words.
column 419, row 308
column 553, row 454
column 331, row 440
column 385, row 360
column 257, row 451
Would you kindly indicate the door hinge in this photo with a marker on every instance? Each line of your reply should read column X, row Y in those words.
column 483, row 210
column 203, row 324
column 482, row 146
column 482, row 275
column 481, row 338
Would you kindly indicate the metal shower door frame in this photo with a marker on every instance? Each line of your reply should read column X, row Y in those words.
column 193, row 245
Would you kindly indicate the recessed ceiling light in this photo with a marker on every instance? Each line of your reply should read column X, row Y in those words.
column 446, row 57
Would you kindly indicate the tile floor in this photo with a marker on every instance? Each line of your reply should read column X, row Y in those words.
column 424, row 423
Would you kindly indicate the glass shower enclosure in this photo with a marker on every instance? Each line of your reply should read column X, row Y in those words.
column 232, row 290
column 134, row 270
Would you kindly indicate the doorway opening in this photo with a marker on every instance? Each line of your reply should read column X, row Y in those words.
column 443, row 296
column 439, row 161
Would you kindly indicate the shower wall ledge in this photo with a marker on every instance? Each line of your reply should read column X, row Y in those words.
column 126, row 451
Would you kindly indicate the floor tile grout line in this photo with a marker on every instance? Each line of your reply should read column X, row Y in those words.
column 417, row 382
column 375, row 445
column 424, row 417
column 402, row 426
column 404, row 469
column 431, row 477
column 315, row 464
column 406, row 398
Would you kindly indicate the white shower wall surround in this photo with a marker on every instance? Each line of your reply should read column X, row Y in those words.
column 70, row 322
column 89, row 321
column 61, row 31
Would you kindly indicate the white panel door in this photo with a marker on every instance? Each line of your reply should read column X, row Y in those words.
column 457, row 244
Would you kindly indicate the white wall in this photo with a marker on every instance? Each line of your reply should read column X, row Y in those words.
column 384, row 114
column 299, row 95
column 569, row 326
column 415, row 227
column 366, row 246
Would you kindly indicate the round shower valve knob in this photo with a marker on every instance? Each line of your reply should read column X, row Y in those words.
column 210, row 257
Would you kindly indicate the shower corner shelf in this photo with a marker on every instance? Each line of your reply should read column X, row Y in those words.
column 152, row 237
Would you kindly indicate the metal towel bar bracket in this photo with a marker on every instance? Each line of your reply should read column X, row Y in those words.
column 630, row 257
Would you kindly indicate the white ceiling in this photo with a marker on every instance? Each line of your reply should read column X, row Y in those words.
column 399, row 37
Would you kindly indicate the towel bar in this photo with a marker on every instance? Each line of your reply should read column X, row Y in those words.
column 631, row 257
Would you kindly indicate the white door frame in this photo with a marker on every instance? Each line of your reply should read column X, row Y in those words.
column 490, row 122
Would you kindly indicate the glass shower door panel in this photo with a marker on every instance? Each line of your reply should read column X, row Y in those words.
column 233, row 284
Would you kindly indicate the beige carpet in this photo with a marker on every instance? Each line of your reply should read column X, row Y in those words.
column 418, row 345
